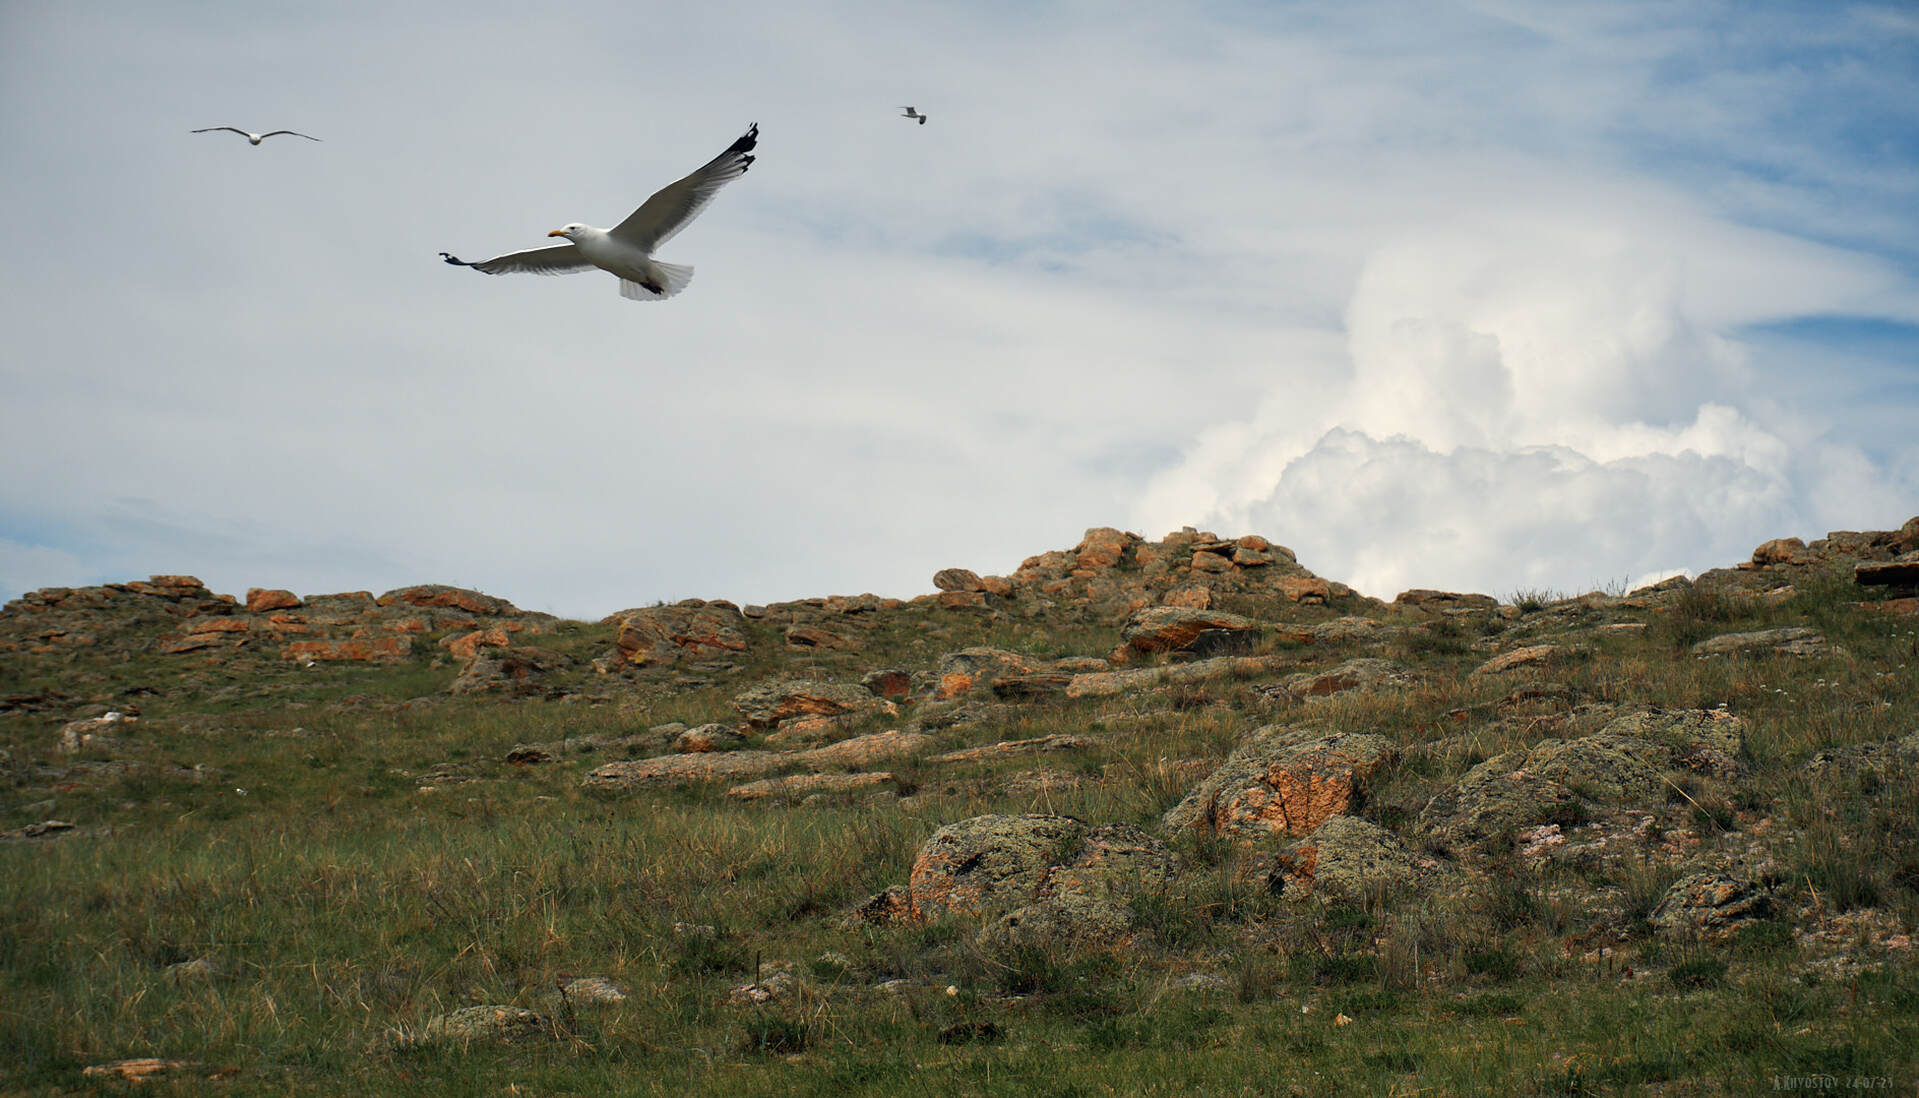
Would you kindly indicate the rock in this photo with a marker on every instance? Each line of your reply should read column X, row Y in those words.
column 1604, row 767
column 1364, row 673
column 1781, row 551
column 708, row 737
column 1284, row 780
column 693, row 630
column 796, row 786
column 1492, row 802
column 264, row 600
column 40, row 830
column 1104, row 547
column 1710, row 905
column 197, row 969
column 812, row 636
column 1902, row 572
column 769, row 703
column 892, row 683
column 592, row 991
column 1856, row 761
column 1033, row 687
column 1353, row 859
column 1792, row 640
column 1176, row 628
column 675, row 770
column 1114, row 862
column 957, row 579
column 467, row 645
column 440, row 596
column 987, row 865
column 1005, row 748
column 489, row 1024
column 1537, row 655
column 1310, row 590
column 865, row 750
column 970, row 668
column 1703, row 741
column 138, row 1070
column 516, row 671
column 370, row 650
column 1062, row 921
column 1439, row 602
column 1211, row 562
column 102, row 733
column 1191, row 598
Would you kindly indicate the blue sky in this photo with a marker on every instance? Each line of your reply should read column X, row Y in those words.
column 1439, row 294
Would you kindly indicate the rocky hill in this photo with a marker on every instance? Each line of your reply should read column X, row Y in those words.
column 1088, row 750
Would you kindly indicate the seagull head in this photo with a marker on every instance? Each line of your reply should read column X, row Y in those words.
column 571, row 232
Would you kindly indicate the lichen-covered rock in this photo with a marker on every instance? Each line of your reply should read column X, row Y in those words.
column 1061, row 921
column 1284, row 780
column 979, row 668
column 1793, row 640
column 1710, row 905
column 695, row 629
column 1353, row 859
column 1704, row 741
column 1364, row 673
column 1604, row 767
column 769, row 703
column 517, row 671
column 988, row 865
column 1856, row 761
column 708, row 737
column 1491, row 802
column 1181, row 629
column 1113, row 862
column 490, row 1024
column 1534, row 655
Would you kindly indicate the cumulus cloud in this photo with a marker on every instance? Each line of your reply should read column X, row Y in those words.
column 1545, row 400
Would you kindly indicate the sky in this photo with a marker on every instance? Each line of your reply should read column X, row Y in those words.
column 1467, row 294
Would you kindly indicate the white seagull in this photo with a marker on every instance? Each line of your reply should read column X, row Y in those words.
column 626, row 249
column 255, row 138
column 912, row 112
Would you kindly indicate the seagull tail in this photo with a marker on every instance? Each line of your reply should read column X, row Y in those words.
column 663, row 281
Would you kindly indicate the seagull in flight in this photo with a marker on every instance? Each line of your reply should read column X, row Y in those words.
column 627, row 249
column 913, row 112
column 255, row 138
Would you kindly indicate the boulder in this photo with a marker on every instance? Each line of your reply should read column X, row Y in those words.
column 812, row 636
column 1284, row 780
column 1536, row 655
column 517, row 671
column 1104, row 547
column 1710, row 905
column 797, row 786
column 1439, row 602
column 1548, row 782
column 692, row 629
column 1067, row 921
column 957, row 579
column 264, row 600
column 490, row 1024
column 708, row 737
column 1903, row 572
column 988, row 865
column 1178, row 628
column 1363, row 673
column 969, row 668
column 1703, row 741
column 1352, row 859
column 769, row 703
column 1792, row 640
column 451, row 598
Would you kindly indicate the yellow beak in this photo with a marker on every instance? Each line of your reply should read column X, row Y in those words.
column 557, row 232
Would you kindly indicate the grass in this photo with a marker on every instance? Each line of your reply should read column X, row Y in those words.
column 384, row 865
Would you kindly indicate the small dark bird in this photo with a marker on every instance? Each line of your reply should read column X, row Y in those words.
column 255, row 138
column 912, row 112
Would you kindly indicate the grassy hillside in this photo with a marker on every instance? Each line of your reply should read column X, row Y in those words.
column 290, row 872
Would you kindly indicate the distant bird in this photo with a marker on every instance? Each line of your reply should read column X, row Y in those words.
column 255, row 138
column 626, row 249
column 910, row 112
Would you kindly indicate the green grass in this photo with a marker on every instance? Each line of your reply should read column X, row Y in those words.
column 359, row 887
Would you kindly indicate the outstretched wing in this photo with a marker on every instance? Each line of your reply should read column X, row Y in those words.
column 672, row 206
column 290, row 133
column 557, row 260
column 229, row 129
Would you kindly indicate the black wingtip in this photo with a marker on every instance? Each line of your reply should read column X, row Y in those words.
column 456, row 262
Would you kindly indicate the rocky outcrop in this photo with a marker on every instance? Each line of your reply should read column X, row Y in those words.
column 1284, row 780
column 769, row 703
column 1711, row 905
column 693, row 629
column 1179, row 629
column 1351, row 859
column 1364, row 673
column 1794, row 640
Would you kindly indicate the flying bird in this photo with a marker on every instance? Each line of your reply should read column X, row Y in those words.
column 255, row 138
column 627, row 249
column 912, row 112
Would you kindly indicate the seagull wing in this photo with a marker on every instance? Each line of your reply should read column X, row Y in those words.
column 557, row 260
column 229, row 129
column 292, row 133
column 674, row 205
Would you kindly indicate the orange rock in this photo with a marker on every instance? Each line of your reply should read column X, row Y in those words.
column 407, row 625
column 1211, row 562
column 217, row 625
column 961, row 600
column 374, row 649
column 466, row 645
column 1193, row 598
column 1306, row 589
column 261, row 600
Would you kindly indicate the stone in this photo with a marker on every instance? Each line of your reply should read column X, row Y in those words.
column 1211, row 562
column 1007, row 748
column 1103, row 547
column 1310, row 590
column 663, row 771
column 1703, row 741
column 138, row 1070
column 961, row 600
column 987, row 865
column 1710, row 905
column 467, row 645
column 767, row 704
column 865, row 750
column 489, row 1024
column 1192, row 598
column 1364, row 673
column 812, row 636
column 796, row 786
column 1063, row 921
column 440, row 596
column 1348, row 858
column 1792, row 640
column 1535, row 655
column 520, row 672
column 1437, row 602
column 593, row 991
column 1781, row 551
column 957, row 579
column 969, row 668
column 1176, row 628
column 1902, row 572
column 1284, row 780
column 708, row 737
column 265, row 600
column 369, row 650
column 892, row 683
column 660, row 634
